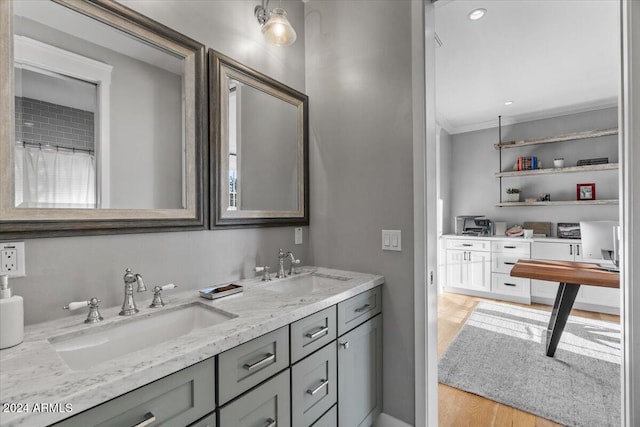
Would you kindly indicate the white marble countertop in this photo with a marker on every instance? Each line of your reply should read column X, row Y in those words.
column 533, row 239
column 33, row 373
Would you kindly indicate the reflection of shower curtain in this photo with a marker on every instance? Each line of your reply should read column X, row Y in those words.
column 56, row 179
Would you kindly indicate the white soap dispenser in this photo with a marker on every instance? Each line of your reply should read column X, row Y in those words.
column 11, row 316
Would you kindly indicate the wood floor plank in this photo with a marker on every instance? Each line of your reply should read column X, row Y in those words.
column 458, row 408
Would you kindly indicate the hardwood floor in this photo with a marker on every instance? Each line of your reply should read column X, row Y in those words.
column 458, row 408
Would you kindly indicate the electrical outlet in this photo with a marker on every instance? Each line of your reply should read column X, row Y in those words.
column 12, row 257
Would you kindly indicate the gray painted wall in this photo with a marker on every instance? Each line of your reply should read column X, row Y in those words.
column 475, row 189
column 60, row 270
column 445, row 176
column 360, row 92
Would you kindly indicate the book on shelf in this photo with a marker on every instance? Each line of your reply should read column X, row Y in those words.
column 596, row 161
column 527, row 163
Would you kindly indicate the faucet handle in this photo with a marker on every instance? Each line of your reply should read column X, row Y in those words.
column 94, row 313
column 157, row 294
column 76, row 305
column 265, row 272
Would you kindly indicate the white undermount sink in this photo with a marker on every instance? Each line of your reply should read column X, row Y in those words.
column 85, row 349
column 304, row 284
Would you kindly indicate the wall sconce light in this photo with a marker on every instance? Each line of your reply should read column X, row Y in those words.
column 276, row 28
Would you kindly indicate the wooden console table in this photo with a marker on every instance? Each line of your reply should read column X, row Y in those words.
column 570, row 275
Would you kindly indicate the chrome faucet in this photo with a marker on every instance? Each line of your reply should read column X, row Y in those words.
column 292, row 263
column 129, row 305
column 281, row 257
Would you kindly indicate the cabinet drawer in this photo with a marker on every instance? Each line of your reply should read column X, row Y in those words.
column 208, row 421
column 507, row 285
column 312, row 333
column 330, row 419
column 314, row 386
column 503, row 263
column 511, row 247
column 178, row 399
column 471, row 244
column 358, row 309
column 249, row 364
column 265, row 406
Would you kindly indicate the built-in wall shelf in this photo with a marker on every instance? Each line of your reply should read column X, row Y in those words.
column 559, row 203
column 560, row 138
column 570, row 169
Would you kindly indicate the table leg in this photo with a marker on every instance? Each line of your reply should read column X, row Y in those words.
column 561, row 308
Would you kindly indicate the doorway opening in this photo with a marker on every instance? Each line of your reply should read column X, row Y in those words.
column 551, row 71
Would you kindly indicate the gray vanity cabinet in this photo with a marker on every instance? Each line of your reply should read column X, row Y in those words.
column 329, row 419
column 360, row 374
column 208, row 421
column 268, row 405
column 314, row 386
column 312, row 332
column 248, row 364
column 176, row 400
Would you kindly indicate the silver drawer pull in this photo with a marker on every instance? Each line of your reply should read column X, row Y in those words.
column 363, row 308
column 270, row 422
column 149, row 418
column 318, row 333
column 260, row 363
column 509, row 247
column 510, row 284
column 319, row 387
column 509, row 263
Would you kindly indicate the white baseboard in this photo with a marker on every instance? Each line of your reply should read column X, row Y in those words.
column 386, row 420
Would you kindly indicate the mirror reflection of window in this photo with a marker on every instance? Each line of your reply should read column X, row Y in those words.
column 233, row 147
column 55, row 165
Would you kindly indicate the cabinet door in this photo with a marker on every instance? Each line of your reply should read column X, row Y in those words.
column 360, row 374
column 554, row 250
column 267, row 405
column 479, row 270
column 456, row 268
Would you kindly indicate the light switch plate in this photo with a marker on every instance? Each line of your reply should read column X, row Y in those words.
column 391, row 240
column 298, row 235
column 12, row 257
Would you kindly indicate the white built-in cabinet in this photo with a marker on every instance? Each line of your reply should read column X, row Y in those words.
column 482, row 267
column 589, row 297
column 469, row 264
column 324, row 367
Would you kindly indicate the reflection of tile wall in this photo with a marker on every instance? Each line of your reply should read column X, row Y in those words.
column 53, row 124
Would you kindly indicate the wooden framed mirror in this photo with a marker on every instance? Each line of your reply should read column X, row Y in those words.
column 105, row 123
column 261, row 148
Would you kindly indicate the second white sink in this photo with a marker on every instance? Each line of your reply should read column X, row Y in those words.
column 305, row 284
column 82, row 350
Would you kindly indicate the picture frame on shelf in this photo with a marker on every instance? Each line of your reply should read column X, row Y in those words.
column 568, row 230
column 586, row 191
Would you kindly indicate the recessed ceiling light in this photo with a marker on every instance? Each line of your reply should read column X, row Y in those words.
column 508, row 103
column 476, row 14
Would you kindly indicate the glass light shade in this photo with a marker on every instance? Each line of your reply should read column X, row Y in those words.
column 278, row 30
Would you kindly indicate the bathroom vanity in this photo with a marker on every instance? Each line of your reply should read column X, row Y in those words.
column 296, row 351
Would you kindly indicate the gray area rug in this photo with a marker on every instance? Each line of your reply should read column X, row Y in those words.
column 499, row 354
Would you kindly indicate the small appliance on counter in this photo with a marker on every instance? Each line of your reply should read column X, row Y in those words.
column 474, row 225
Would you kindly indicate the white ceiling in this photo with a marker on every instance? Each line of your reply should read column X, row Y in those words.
column 550, row 57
